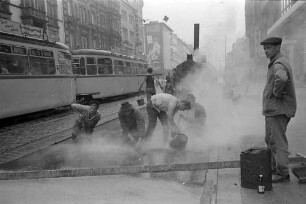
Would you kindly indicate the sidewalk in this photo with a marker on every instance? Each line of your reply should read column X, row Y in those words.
column 220, row 186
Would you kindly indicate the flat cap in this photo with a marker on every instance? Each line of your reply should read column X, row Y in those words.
column 272, row 40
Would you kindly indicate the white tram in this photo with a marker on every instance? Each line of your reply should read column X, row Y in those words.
column 35, row 75
column 102, row 74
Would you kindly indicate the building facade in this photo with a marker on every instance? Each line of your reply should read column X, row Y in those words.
column 37, row 19
column 131, row 27
column 284, row 18
column 92, row 24
column 164, row 49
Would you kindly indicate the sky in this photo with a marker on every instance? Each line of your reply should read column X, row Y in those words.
column 221, row 22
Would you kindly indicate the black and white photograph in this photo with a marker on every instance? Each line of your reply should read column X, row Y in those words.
column 152, row 101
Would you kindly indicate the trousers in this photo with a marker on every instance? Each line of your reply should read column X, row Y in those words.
column 153, row 115
column 276, row 140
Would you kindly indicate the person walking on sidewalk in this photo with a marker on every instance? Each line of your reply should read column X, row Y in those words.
column 132, row 123
column 150, row 84
column 87, row 120
column 279, row 106
column 164, row 106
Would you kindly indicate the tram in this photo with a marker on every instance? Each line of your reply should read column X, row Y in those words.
column 103, row 74
column 35, row 74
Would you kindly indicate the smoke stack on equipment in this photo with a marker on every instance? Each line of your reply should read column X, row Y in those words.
column 196, row 36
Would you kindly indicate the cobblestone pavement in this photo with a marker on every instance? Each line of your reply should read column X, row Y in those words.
column 27, row 139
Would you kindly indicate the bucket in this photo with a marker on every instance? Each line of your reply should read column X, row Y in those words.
column 179, row 141
column 140, row 102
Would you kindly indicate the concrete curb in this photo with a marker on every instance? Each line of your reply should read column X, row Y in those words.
column 123, row 170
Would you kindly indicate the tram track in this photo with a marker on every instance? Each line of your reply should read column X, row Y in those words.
column 32, row 137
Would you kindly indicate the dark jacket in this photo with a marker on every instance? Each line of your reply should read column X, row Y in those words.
column 133, row 123
column 279, row 94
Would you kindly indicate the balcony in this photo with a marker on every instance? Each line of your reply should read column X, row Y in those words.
column 4, row 10
column 33, row 16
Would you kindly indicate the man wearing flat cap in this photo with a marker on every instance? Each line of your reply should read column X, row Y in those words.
column 279, row 106
column 132, row 123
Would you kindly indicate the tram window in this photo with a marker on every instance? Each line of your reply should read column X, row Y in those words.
column 47, row 54
column 105, row 66
column 19, row 50
column 42, row 65
column 75, row 61
column 35, row 52
column 64, row 60
column 42, row 62
column 13, row 64
column 134, row 68
column 90, row 60
column 128, row 68
column 79, row 68
column 91, row 69
column 5, row 49
column 119, row 68
column 145, row 66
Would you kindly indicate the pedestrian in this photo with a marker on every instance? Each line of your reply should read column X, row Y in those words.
column 169, row 89
column 196, row 116
column 132, row 123
column 164, row 106
column 150, row 84
column 87, row 120
column 279, row 106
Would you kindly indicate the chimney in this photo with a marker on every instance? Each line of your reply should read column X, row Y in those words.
column 196, row 36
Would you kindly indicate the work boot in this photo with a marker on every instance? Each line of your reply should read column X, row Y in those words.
column 280, row 179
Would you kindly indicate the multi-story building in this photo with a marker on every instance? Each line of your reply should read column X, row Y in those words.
column 92, row 24
column 39, row 18
column 284, row 18
column 179, row 50
column 164, row 49
column 131, row 27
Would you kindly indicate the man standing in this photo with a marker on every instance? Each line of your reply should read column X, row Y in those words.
column 132, row 123
column 89, row 117
column 164, row 106
column 150, row 84
column 279, row 106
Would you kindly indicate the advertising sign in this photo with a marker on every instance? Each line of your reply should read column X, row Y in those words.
column 28, row 31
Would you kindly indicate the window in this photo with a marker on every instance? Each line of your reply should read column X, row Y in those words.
column 42, row 62
column 119, row 68
column 84, row 42
column 128, row 69
column 131, row 19
column 105, row 66
column 125, row 34
column 103, row 20
column 64, row 60
column 5, row 49
column 78, row 66
column 71, row 41
column 13, row 63
column 132, row 36
column 124, row 15
column 69, row 8
column 94, row 42
column 91, row 66
column 93, row 19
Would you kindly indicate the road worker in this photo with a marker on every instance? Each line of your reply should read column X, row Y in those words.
column 87, row 120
